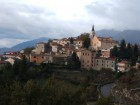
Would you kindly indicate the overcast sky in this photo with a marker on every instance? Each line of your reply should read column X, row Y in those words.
column 22, row 20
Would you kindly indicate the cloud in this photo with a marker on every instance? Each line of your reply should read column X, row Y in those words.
column 34, row 19
column 6, row 42
column 30, row 19
column 117, row 14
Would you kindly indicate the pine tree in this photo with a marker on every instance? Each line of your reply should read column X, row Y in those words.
column 71, row 40
column 129, row 51
column 114, row 52
column 135, row 55
column 122, row 52
column 86, row 42
column 75, row 62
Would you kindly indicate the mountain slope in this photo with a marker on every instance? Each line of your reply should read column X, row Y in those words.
column 24, row 45
column 107, row 33
column 30, row 43
column 131, row 36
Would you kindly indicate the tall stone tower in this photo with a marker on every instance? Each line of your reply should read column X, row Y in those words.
column 93, row 31
column 94, row 42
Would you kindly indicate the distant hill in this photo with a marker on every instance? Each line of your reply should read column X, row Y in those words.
column 107, row 33
column 24, row 45
column 132, row 36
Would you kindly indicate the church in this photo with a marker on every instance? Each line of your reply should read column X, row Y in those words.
column 101, row 43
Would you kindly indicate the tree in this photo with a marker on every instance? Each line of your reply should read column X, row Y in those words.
column 114, row 52
column 17, row 94
column 71, row 40
column 129, row 51
column 23, row 68
column 104, row 101
column 84, row 36
column 122, row 52
column 136, row 51
column 32, row 92
column 135, row 55
column 86, row 40
column 86, row 43
column 74, row 61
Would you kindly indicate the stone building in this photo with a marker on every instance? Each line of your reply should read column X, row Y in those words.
column 78, row 42
column 41, row 48
column 105, row 53
column 99, row 43
column 123, row 66
column 87, row 59
column 104, row 63
column 56, row 47
column 37, row 58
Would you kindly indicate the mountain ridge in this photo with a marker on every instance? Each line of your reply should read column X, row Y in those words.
column 130, row 36
column 25, row 44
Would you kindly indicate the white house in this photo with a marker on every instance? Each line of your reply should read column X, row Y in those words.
column 11, row 60
column 123, row 66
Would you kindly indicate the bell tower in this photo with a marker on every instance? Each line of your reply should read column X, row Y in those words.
column 93, row 31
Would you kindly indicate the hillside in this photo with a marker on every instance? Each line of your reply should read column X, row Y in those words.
column 131, row 36
column 24, row 45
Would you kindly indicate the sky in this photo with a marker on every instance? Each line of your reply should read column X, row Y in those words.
column 22, row 20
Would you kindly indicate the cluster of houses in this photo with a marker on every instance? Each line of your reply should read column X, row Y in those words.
column 9, row 57
column 58, row 51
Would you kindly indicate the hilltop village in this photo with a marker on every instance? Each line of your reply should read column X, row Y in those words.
column 72, row 71
column 89, row 52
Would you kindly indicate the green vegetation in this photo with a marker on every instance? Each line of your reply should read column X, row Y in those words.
column 27, row 84
column 126, row 51
column 105, row 101
column 85, row 37
column 74, row 62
